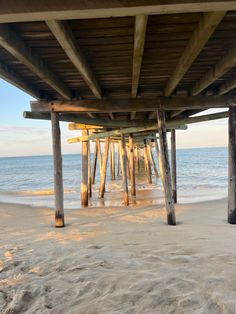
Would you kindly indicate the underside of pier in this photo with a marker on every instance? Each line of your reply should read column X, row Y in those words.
column 124, row 73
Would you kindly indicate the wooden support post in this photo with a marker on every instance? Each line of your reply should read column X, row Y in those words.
column 147, row 163
column 166, row 176
column 173, row 165
column 123, row 160
column 152, row 160
column 95, row 157
column 58, row 178
column 104, row 169
column 232, row 167
column 118, row 160
column 131, row 164
column 112, row 161
column 84, row 172
column 89, row 172
column 99, row 156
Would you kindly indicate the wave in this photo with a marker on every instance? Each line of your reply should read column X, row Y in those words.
column 45, row 192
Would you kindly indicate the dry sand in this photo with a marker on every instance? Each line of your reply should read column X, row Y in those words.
column 118, row 260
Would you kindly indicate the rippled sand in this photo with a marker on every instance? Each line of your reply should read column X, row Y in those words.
column 118, row 260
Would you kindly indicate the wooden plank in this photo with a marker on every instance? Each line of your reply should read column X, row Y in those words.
column 25, row 11
column 12, row 42
column 84, row 172
column 206, row 26
column 94, row 166
column 83, row 126
column 104, row 169
column 147, row 163
column 227, row 62
column 112, row 161
column 137, row 104
column 123, row 161
column 166, row 176
column 173, row 165
column 9, row 75
column 232, row 167
column 132, row 165
column 139, row 40
column 66, row 39
column 99, row 156
column 227, row 86
column 58, row 178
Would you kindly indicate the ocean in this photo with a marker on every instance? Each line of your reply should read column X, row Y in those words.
column 201, row 175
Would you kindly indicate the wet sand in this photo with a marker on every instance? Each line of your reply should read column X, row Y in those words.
column 118, row 260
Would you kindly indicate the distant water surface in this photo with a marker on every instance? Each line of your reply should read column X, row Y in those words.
column 201, row 175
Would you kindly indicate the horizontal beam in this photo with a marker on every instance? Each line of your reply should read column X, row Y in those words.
column 138, row 104
column 24, row 10
column 16, row 46
column 205, row 28
column 66, row 39
column 76, row 118
column 120, row 132
column 9, row 75
column 226, row 63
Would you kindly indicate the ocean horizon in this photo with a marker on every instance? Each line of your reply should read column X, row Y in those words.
column 202, row 174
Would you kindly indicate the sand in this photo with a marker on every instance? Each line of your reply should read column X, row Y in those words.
column 118, row 260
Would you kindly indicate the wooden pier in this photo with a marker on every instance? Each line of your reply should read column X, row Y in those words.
column 124, row 75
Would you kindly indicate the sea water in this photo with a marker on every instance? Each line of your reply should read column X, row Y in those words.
column 201, row 175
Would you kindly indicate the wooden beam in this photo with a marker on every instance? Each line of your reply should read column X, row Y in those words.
column 99, row 156
column 112, row 161
column 82, row 126
column 147, row 163
column 132, row 115
column 111, row 115
column 84, row 172
column 94, row 166
column 25, row 11
column 58, row 178
column 152, row 161
column 14, row 44
column 206, row 26
column 173, row 165
column 137, row 104
column 220, row 68
column 104, row 169
column 9, row 75
column 92, row 116
column 120, row 132
column 166, row 176
column 123, row 161
column 232, row 167
column 132, row 165
column 139, row 40
column 89, row 172
column 227, row 86
column 66, row 39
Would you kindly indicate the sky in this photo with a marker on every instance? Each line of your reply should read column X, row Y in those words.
column 25, row 137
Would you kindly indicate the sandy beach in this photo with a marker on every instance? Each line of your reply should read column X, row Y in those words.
column 118, row 260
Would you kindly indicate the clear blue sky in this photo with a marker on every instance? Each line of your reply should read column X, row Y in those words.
column 24, row 137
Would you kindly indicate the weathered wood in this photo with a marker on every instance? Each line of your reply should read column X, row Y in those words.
column 158, row 157
column 147, row 163
column 152, row 161
column 139, row 40
column 12, row 42
column 132, row 165
column 25, row 11
column 173, row 165
column 66, row 39
column 166, row 176
column 220, row 68
column 89, row 172
column 132, row 115
column 9, row 75
column 137, row 159
column 84, row 172
column 82, row 126
column 232, row 167
column 112, row 161
column 95, row 158
column 119, row 132
column 118, row 160
column 206, row 26
column 227, row 86
column 99, row 156
column 104, row 169
column 58, row 178
column 111, row 115
column 123, row 160
column 135, row 104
